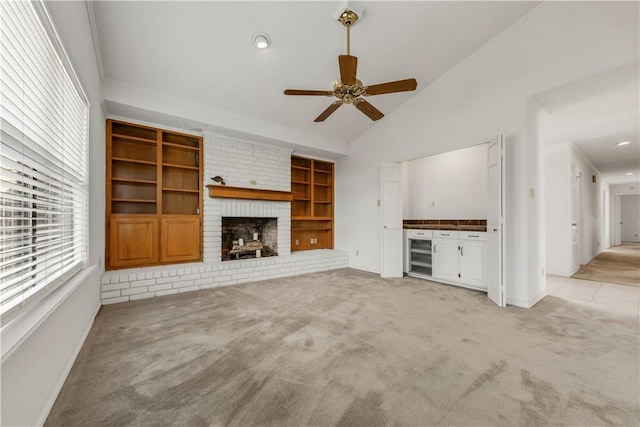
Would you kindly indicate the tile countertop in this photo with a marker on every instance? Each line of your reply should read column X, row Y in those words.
column 446, row 224
column 445, row 227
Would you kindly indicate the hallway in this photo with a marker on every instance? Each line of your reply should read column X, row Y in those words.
column 618, row 264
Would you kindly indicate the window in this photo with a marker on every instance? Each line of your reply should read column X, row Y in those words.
column 43, row 159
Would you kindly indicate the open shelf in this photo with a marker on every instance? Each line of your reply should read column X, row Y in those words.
column 180, row 146
column 312, row 204
column 141, row 162
column 173, row 165
column 116, row 136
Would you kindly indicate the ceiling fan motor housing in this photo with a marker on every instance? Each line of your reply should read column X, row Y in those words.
column 348, row 93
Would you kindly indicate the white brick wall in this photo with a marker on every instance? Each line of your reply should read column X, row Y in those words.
column 172, row 279
column 238, row 163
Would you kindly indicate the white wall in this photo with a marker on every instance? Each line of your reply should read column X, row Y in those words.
column 536, row 209
column 456, row 181
column 556, row 43
column 630, row 218
column 39, row 346
column 606, row 216
column 558, row 210
column 591, row 207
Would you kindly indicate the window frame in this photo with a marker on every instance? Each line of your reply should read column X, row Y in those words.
column 66, row 273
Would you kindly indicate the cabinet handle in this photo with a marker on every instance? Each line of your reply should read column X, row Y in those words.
column 445, row 234
column 461, row 250
column 434, row 249
column 473, row 235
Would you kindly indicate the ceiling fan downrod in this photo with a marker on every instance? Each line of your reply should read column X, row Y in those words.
column 348, row 18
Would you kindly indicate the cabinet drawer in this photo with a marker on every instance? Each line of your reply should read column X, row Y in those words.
column 473, row 235
column 419, row 234
column 446, row 234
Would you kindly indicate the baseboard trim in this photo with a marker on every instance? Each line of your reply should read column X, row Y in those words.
column 368, row 270
column 538, row 298
column 518, row 303
column 47, row 405
column 527, row 304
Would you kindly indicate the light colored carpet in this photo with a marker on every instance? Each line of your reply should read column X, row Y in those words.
column 347, row 348
column 618, row 264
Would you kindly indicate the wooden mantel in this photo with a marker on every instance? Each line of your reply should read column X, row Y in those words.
column 226, row 192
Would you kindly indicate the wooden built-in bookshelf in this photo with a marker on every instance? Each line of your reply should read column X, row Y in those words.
column 154, row 196
column 312, row 184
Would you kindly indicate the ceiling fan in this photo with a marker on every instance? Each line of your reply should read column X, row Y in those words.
column 350, row 90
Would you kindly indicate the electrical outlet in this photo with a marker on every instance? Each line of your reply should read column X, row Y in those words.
column 311, row 241
column 253, row 182
column 378, row 202
column 357, row 252
column 542, row 272
column 297, row 242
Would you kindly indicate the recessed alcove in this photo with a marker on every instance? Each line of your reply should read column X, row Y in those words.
column 248, row 237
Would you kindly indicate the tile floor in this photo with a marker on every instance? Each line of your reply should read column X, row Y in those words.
column 607, row 296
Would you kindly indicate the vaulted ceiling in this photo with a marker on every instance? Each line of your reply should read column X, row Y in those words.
column 202, row 53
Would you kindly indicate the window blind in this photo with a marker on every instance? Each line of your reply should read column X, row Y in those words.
column 43, row 159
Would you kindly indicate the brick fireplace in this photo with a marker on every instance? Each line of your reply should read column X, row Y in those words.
column 244, row 165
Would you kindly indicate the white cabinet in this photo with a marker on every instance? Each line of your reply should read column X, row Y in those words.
column 473, row 260
column 460, row 258
column 445, row 256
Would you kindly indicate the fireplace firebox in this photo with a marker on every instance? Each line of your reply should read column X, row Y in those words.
column 249, row 237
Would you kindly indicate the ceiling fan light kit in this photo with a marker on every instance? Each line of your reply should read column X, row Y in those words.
column 350, row 90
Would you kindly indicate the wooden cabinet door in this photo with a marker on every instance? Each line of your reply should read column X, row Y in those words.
column 133, row 241
column 181, row 238
column 445, row 259
column 473, row 259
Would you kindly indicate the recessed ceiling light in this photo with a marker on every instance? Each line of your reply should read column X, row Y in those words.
column 619, row 144
column 629, row 173
column 262, row 41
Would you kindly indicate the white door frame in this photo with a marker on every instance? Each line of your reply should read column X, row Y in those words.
column 391, row 220
column 616, row 207
column 496, row 227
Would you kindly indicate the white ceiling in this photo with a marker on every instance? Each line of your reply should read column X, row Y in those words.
column 596, row 113
column 202, row 52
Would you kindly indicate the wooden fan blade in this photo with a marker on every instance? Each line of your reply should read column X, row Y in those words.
column 326, row 113
column 391, row 87
column 369, row 110
column 308, row 92
column 348, row 68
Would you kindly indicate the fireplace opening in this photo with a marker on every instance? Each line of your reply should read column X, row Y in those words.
column 249, row 237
